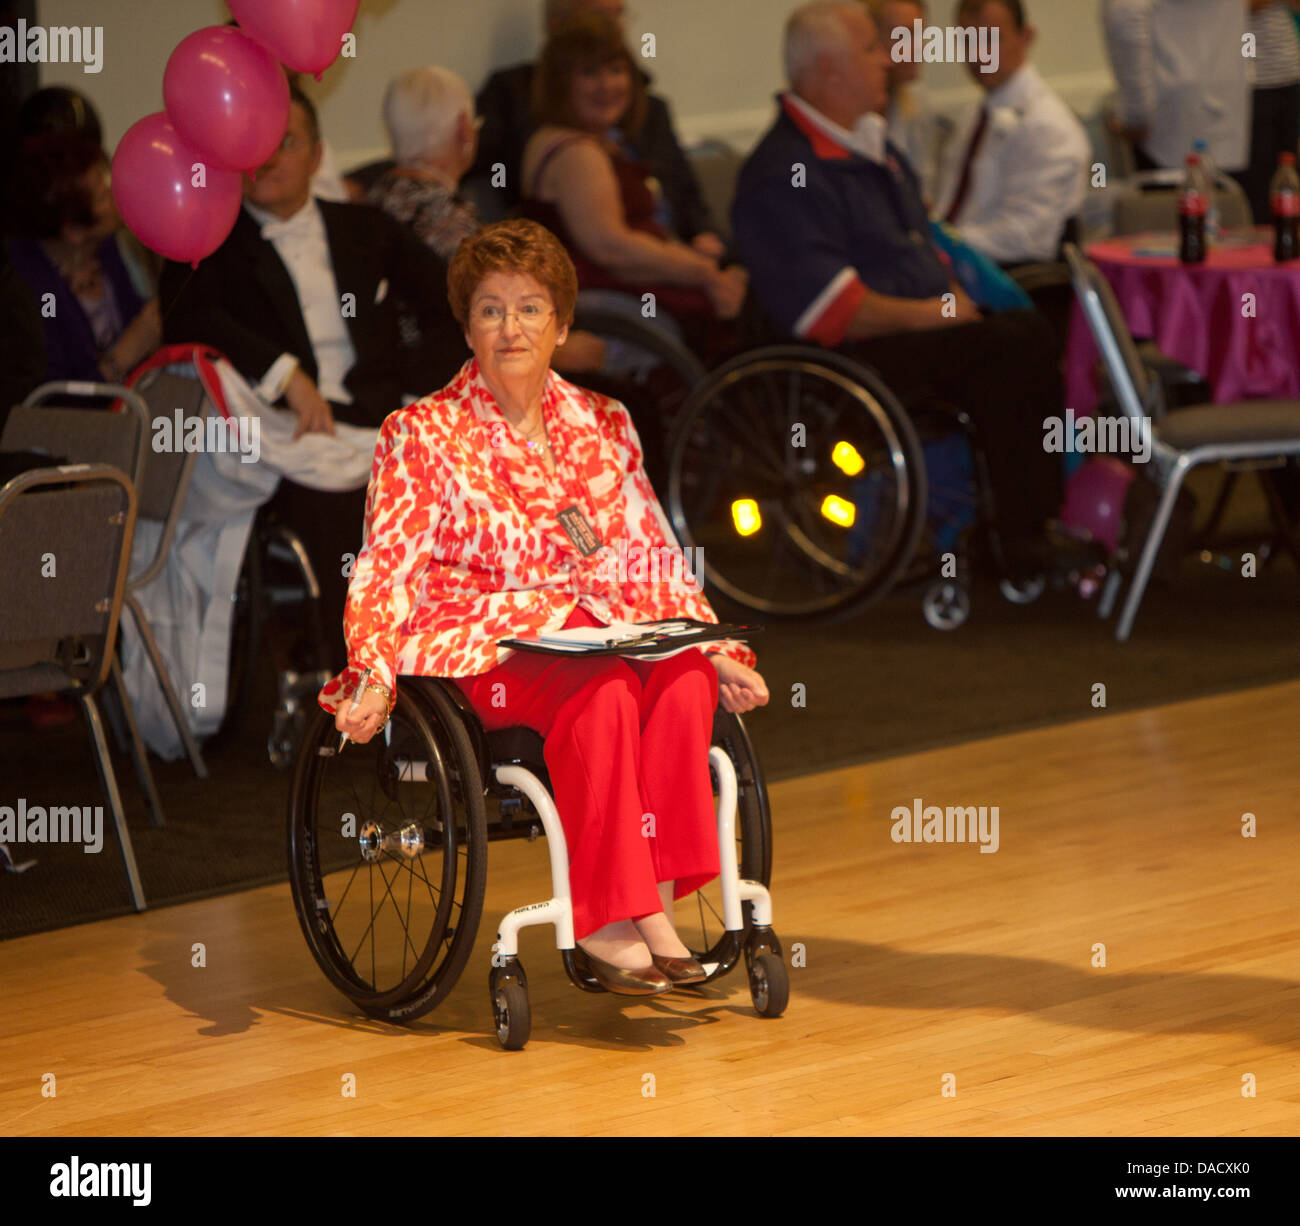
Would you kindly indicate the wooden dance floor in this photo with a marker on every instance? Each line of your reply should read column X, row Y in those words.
column 946, row 991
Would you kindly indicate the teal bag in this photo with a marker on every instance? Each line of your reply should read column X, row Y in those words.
column 986, row 283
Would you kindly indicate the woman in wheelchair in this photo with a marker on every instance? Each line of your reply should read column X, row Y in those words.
column 494, row 509
column 606, row 206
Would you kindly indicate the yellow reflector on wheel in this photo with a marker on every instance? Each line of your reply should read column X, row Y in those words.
column 838, row 511
column 846, row 458
column 744, row 514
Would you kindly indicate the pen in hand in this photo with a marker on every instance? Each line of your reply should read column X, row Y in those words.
column 356, row 702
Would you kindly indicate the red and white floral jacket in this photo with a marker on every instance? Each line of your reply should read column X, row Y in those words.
column 464, row 546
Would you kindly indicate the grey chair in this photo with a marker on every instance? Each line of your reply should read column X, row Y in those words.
column 161, row 489
column 160, row 478
column 59, row 622
column 96, row 436
column 1148, row 200
column 1250, row 432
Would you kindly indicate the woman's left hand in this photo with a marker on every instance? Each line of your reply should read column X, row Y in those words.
column 740, row 688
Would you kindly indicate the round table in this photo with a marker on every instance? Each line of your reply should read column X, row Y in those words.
column 1235, row 319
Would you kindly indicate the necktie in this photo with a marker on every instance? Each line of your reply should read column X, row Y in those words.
column 963, row 184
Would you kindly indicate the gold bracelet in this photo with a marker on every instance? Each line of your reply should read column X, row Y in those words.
column 385, row 694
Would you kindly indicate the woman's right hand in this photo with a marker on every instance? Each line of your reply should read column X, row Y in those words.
column 365, row 721
column 726, row 291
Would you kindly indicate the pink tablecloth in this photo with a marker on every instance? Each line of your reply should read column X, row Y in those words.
column 1200, row 315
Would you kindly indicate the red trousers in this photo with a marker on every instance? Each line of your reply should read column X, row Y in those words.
column 626, row 745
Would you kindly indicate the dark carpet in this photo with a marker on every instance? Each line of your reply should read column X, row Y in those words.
column 881, row 685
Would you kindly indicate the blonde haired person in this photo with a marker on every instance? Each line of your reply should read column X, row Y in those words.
column 913, row 125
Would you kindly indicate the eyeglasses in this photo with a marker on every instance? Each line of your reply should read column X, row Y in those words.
column 531, row 316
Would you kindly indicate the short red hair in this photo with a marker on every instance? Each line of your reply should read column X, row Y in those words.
column 513, row 247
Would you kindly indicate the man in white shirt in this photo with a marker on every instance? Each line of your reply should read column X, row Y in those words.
column 1182, row 78
column 1015, row 173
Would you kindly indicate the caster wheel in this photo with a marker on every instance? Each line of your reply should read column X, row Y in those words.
column 769, row 985
column 511, row 1014
column 1023, row 593
column 946, row 606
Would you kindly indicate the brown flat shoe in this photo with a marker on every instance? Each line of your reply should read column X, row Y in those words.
column 680, row 970
column 644, row 981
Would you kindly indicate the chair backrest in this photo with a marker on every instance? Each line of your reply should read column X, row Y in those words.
column 1148, row 200
column 81, row 435
column 1134, row 389
column 167, row 472
column 65, row 541
column 717, row 166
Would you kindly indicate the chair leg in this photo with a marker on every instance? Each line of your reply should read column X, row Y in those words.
column 1155, row 535
column 109, row 780
column 1285, row 529
column 1106, row 605
column 138, row 754
column 1205, row 538
column 169, row 691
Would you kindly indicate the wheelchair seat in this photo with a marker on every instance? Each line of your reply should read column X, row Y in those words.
column 519, row 746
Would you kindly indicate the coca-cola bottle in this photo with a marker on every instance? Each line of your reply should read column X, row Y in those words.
column 1284, row 196
column 1193, row 205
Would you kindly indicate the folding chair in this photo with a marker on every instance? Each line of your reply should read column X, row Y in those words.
column 1260, row 431
column 58, row 623
column 91, row 436
column 161, row 490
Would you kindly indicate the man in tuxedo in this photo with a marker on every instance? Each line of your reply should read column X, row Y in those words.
column 303, row 298
column 505, row 106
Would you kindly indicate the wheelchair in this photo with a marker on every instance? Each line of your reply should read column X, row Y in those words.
column 388, row 845
column 811, row 490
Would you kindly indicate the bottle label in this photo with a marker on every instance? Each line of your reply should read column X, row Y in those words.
column 1286, row 204
column 1193, row 203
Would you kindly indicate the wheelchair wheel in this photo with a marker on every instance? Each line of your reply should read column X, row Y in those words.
column 388, row 854
column 705, row 934
column 799, row 475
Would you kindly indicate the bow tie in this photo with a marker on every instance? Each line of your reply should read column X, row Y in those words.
column 301, row 225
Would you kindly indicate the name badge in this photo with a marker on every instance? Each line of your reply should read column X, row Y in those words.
column 579, row 531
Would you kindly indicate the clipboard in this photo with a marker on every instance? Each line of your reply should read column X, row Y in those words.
column 655, row 641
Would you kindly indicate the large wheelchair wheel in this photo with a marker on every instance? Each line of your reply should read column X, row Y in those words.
column 388, row 854
column 800, row 476
column 704, row 933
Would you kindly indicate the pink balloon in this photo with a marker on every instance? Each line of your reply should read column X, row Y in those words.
column 154, row 186
column 1094, row 499
column 306, row 34
column 227, row 97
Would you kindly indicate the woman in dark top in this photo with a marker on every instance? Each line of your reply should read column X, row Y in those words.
column 605, row 206
column 62, row 219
